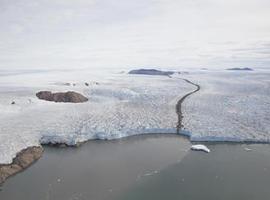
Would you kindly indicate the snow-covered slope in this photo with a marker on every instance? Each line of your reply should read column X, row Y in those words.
column 119, row 105
column 231, row 106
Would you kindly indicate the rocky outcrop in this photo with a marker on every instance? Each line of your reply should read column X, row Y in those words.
column 72, row 97
column 23, row 160
column 240, row 69
column 151, row 72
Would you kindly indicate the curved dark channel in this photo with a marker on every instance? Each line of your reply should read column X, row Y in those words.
column 179, row 105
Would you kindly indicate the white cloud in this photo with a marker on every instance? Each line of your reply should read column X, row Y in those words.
column 119, row 33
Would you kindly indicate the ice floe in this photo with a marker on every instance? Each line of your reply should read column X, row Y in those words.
column 200, row 147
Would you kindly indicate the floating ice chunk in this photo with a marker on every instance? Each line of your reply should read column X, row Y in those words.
column 200, row 147
column 248, row 149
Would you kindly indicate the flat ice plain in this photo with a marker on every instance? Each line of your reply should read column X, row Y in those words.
column 231, row 106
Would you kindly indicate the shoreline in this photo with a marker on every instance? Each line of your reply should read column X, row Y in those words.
column 96, row 170
column 23, row 160
column 28, row 156
column 107, row 170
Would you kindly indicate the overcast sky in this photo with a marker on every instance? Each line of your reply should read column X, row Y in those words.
column 125, row 33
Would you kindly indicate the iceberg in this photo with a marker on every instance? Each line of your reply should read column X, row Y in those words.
column 200, row 147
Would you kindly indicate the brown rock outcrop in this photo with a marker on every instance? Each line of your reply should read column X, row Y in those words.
column 70, row 96
column 23, row 160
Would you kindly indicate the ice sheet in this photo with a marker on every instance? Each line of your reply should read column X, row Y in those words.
column 231, row 106
column 119, row 105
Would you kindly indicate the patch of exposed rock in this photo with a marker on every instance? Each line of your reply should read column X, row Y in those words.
column 70, row 96
column 23, row 160
column 151, row 72
column 240, row 69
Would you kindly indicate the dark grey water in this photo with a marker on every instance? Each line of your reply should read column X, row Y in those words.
column 228, row 172
column 97, row 170
column 145, row 167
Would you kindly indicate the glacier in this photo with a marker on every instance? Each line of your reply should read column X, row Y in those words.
column 230, row 106
column 119, row 105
